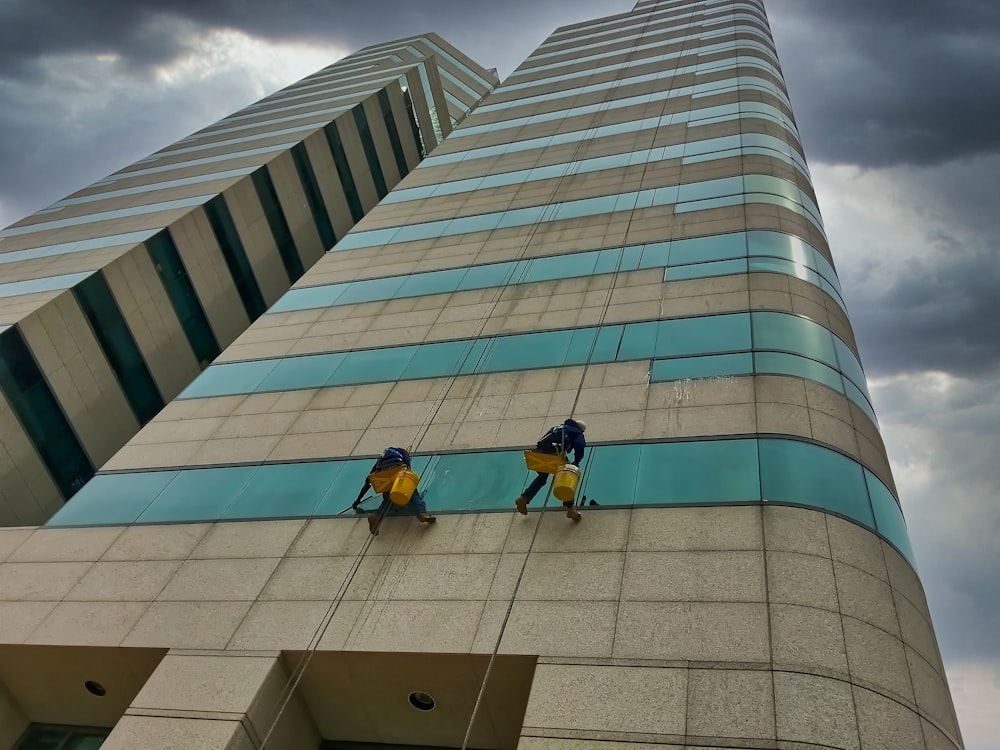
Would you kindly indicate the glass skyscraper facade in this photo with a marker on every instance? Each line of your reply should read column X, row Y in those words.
column 623, row 232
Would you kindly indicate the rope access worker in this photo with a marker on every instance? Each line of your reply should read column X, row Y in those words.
column 392, row 458
column 559, row 440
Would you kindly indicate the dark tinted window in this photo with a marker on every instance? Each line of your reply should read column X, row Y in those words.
column 344, row 171
column 368, row 144
column 235, row 255
column 393, row 131
column 283, row 240
column 313, row 197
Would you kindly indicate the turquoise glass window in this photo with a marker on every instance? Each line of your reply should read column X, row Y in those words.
column 284, row 490
column 779, row 363
column 436, row 360
column 310, row 371
column 435, row 282
column 528, row 351
column 372, row 366
column 230, row 378
column 638, row 341
column 715, row 247
column 805, row 474
column 113, row 498
column 698, row 473
column 704, row 270
column 475, row 481
column 198, row 495
column 484, row 277
column 707, row 335
column 712, row 366
column 889, row 520
column 608, row 340
column 850, row 366
column 790, row 333
column 609, row 474
column 384, row 288
column 345, row 487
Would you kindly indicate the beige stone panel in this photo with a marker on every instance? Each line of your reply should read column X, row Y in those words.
column 323, row 578
column 856, row 546
column 693, row 421
column 931, row 692
column 256, row 425
column 281, row 625
column 699, row 631
column 904, row 579
column 170, row 733
column 195, row 625
column 258, row 242
column 783, row 419
column 553, row 743
column 557, row 534
column 151, row 318
column 601, row 698
column 209, row 276
column 460, row 577
column 795, row 530
column 224, row 684
column 235, row 450
column 123, row 581
column 804, row 638
column 152, row 456
column 219, row 580
column 355, row 154
column 11, row 539
column 427, row 626
column 577, row 629
column 95, row 623
column 293, row 201
column 917, row 632
column 329, row 537
column 248, row 540
column 185, row 430
column 730, row 703
column 694, row 576
column 39, row 581
column 319, row 445
column 866, row 598
column 882, row 722
column 593, row 576
column 815, row 710
column 793, row 578
column 680, row 529
column 19, row 619
column 877, row 658
column 159, row 542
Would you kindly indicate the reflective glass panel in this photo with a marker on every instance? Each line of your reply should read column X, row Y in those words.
column 113, row 498
column 198, row 495
column 699, row 472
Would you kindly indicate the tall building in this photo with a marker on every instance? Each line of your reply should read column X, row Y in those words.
column 623, row 232
column 112, row 300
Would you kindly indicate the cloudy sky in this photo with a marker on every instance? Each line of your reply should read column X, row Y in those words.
column 898, row 102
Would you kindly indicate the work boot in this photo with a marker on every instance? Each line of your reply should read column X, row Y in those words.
column 572, row 513
column 522, row 505
column 426, row 518
column 373, row 524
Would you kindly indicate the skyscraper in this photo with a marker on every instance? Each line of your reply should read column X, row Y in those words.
column 113, row 299
column 623, row 232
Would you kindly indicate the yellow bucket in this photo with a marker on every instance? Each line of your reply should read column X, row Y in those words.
column 544, row 463
column 565, row 483
column 403, row 487
column 382, row 481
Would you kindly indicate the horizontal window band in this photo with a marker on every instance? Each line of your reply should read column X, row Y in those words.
column 725, row 191
column 665, row 16
column 44, row 284
column 683, row 258
column 693, row 118
column 723, row 86
column 741, row 62
column 689, row 152
column 654, row 56
column 724, row 333
column 707, row 472
column 576, row 59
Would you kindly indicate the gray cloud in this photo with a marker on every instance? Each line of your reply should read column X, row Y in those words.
column 895, row 81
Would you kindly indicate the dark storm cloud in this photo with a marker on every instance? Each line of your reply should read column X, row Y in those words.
column 33, row 28
column 893, row 81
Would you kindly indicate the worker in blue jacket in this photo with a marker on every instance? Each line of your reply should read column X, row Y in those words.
column 559, row 440
column 392, row 458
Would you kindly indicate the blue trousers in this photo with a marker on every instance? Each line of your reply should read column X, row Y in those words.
column 536, row 484
column 415, row 507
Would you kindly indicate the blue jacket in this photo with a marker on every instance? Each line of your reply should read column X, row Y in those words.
column 564, row 438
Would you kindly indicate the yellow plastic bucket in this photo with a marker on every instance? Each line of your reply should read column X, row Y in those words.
column 403, row 487
column 565, row 483
column 545, row 463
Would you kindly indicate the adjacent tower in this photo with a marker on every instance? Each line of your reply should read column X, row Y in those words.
column 624, row 232
column 113, row 299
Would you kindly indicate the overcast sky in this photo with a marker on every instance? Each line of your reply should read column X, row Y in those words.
column 898, row 102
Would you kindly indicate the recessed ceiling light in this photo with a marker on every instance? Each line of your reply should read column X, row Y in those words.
column 95, row 688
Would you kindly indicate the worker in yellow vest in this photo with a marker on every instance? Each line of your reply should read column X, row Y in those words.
column 559, row 440
column 393, row 458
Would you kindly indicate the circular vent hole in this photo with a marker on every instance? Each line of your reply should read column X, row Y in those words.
column 421, row 701
column 95, row 688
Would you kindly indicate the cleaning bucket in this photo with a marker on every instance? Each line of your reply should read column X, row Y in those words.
column 403, row 487
column 545, row 463
column 565, row 483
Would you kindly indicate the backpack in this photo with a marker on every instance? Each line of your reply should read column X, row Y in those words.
column 390, row 457
column 554, row 438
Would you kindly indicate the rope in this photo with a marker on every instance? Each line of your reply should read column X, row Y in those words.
column 538, row 522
